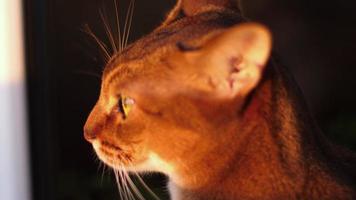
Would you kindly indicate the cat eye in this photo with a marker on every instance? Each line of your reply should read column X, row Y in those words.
column 185, row 47
column 125, row 105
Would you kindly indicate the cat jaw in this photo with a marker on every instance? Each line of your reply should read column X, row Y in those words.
column 155, row 163
column 152, row 163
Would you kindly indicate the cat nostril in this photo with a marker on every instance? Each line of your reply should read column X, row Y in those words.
column 89, row 135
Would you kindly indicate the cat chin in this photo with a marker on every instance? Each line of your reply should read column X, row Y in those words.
column 152, row 163
column 106, row 159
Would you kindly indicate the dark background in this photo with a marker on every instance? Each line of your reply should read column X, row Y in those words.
column 315, row 39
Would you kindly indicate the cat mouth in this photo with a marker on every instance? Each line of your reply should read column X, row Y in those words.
column 112, row 155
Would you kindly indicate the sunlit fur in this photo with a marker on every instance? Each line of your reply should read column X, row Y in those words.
column 214, row 114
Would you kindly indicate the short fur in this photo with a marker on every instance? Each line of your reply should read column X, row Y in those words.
column 258, row 142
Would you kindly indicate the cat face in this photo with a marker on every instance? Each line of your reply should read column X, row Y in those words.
column 167, row 102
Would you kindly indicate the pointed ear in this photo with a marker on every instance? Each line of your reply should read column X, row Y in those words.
column 192, row 7
column 234, row 60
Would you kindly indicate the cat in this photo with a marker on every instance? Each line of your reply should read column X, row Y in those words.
column 202, row 100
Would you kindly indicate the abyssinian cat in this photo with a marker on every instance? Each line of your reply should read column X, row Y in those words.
column 201, row 100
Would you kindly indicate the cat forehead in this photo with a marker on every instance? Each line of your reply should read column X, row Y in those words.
column 191, row 30
column 127, row 74
column 148, row 55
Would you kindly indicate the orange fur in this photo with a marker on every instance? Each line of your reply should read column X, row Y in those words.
column 215, row 114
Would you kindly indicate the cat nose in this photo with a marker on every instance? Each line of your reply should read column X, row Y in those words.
column 94, row 124
column 89, row 135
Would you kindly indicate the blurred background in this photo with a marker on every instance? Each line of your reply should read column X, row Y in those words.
column 315, row 39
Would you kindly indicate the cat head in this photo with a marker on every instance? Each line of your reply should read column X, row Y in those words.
column 168, row 101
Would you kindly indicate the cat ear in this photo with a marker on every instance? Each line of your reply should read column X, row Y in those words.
column 191, row 7
column 234, row 60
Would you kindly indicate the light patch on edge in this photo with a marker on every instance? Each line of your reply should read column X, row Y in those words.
column 96, row 144
column 154, row 163
column 110, row 104
column 159, row 164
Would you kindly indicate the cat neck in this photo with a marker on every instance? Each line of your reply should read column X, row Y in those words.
column 270, row 154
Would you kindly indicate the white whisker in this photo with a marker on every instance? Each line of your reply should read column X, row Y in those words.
column 124, row 33
column 124, row 186
column 117, row 177
column 133, row 187
column 99, row 42
column 146, row 187
column 132, row 192
column 108, row 31
column 102, row 173
column 128, row 21
column 118, row 25
column 131, row 13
